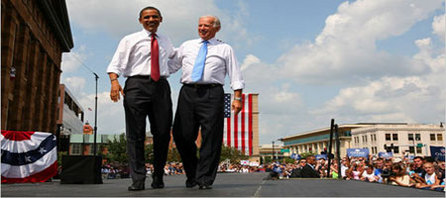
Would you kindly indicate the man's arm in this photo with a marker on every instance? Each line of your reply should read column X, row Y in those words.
column 237, row 103
column 115, row 87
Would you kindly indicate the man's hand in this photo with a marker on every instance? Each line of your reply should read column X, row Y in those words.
column 236, row 106
column 115, row 90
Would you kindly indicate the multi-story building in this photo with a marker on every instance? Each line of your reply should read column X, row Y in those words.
column 34, row 36
column 70, row 114
column 413, row 139
column 377, row 137
column 317, row 141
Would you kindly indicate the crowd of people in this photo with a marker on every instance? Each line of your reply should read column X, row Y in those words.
column 423, row 173
column 420, row 172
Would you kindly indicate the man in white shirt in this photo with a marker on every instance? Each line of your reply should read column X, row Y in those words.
column 205, row 63
column 142, row 58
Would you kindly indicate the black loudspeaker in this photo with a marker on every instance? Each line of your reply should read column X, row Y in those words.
column 81, row 169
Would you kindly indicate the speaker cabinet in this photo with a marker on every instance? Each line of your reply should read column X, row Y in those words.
column 81, row 169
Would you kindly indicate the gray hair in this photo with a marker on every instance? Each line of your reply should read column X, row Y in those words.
column 216, row 20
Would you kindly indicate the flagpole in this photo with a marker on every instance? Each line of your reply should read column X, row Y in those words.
column 95, row 114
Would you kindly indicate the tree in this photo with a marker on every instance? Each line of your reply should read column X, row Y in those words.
column 232, row 154
column 117, row 150
column 304, row 155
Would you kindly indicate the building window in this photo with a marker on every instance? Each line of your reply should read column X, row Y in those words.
column 374, row 137
column 439, row 137
column 432, row 137
column 418, row 150
column 387, row 136
column 411, row 149
column 76, row 149
column 396, row 149
column 417, row 137
column 410, row 136
column 395, row 136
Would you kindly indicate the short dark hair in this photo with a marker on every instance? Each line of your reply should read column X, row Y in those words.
column 418, row 157
column 149, row 8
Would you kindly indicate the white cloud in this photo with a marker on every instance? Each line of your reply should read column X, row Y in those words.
column 73, row 60
column 395, row 99
column 75, row 84
column 345, row 50
column 439, row 26
column 111, row 117
column 180, row 18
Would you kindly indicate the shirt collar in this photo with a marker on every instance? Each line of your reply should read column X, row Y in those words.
column 149, row 33
column 211, row 41
column 311, row 165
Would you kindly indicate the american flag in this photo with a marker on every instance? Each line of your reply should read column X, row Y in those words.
column 239, row 140
column 28, row 156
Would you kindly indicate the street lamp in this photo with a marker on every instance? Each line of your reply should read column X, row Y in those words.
column 273, row 151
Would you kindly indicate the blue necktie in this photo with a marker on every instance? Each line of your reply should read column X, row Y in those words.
column 197, row 72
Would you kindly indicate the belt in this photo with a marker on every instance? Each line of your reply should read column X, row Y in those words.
column 147, row 77
column 203, row 85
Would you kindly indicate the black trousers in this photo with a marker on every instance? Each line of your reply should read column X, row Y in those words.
column 144, row 97
column 200, row 107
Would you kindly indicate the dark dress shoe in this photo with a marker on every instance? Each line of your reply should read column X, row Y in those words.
column 157, row 182
column 205, row 187
column 138, row 185
column 190, row 183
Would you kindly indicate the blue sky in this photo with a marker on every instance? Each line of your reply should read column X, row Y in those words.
column 310, row 61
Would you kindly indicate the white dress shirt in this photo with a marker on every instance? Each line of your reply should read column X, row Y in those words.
column 220, row 60
column 132, row 57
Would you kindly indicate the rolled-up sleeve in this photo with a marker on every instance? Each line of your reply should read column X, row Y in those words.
column 234, row 71
column 174, row 62
column 120, row 59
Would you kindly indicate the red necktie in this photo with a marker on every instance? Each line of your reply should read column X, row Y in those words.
column 154, row 59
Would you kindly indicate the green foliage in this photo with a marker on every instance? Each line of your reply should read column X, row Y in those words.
column 288, row 160
column 148, row 153
column 268, row 159
column 304, row 155
column 117, row 150
column 173, row 155
column 232, row 154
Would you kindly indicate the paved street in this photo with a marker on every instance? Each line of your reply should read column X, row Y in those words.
column 226, row 185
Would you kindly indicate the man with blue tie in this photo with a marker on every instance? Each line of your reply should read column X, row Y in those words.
column 205, row 63
column 142, row 57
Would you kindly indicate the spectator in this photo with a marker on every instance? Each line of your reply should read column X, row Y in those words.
column 309, row 171
column 419, row 161
column 430, row 177
column 297, row 172
column 368, row 175
column 399, row 176
column 440, row 170
column 345, row 164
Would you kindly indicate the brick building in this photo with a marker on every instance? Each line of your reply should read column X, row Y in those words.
column 34, row 36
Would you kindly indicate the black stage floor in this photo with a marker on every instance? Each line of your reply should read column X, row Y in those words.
column 226, row 185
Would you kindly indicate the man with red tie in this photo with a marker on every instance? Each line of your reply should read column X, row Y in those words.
column 142, row 58
column 205, row 62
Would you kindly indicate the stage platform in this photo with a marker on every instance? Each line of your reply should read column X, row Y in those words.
column 226, row 185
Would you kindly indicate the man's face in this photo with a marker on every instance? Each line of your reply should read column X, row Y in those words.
column 311, row 160
column 388, row 165
column 418, row 162
column 150, row 20
column 429, row 168
column 379, row 164
column 206, row 29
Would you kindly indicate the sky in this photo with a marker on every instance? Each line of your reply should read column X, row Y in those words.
column 309, row 60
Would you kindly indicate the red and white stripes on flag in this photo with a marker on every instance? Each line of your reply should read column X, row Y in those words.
column 239, row 138
column 28, row 156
